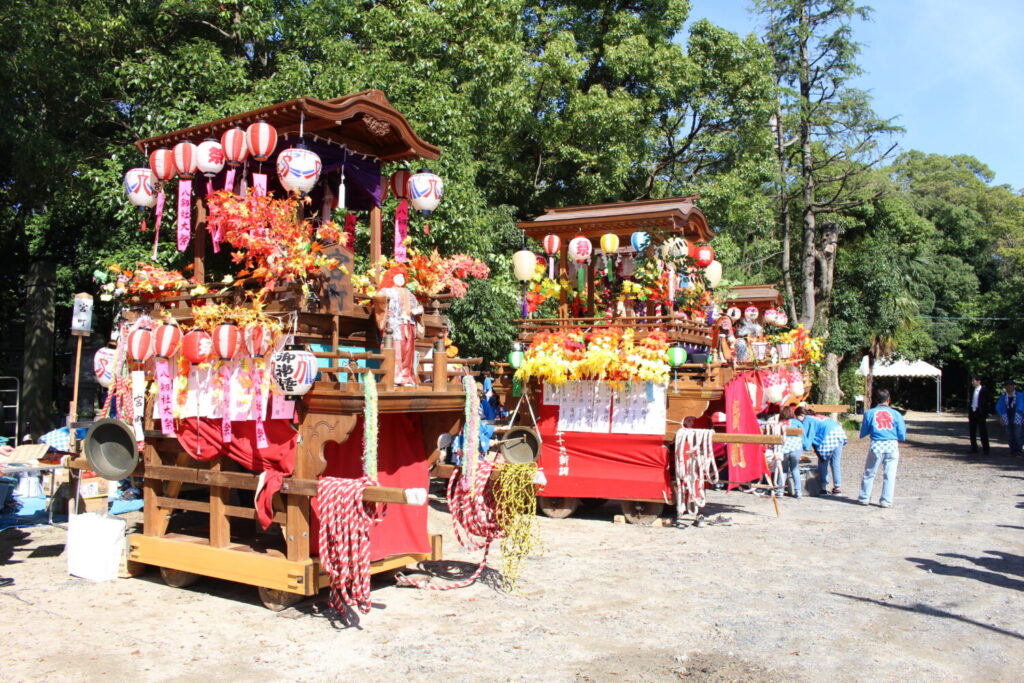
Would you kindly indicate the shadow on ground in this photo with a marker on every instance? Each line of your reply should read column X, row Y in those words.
column 929, row 611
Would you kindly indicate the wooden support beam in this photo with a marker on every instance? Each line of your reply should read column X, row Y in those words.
column 760, row 439
column 829, row 407
column 375, row 236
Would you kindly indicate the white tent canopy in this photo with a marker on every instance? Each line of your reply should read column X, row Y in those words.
column 906, row 368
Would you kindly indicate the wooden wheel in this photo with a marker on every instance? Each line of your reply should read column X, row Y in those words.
column 277, row 601
column 175, row 578
column 641, row 512
column 556, row 507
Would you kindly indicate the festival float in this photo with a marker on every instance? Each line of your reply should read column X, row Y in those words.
column 287, row 417
column 643, row 371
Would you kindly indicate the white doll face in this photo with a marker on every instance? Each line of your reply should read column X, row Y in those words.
column 399, row 280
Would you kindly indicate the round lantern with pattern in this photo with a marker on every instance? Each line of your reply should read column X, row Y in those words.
column 210, row 156
column 425, row 190
column 197, row 346
column 676, row 356
column 734, row 313
column 781, row 319
column 260, row 140
column 703, row 255
column 294, row 370
column 770, row 316
column 138, row 185
column 235, row 149
column 774, row 389
column 640, row 240
column 552, row 244
column 609, row 243
column 674, row 250
column 258, row 340
column 103, row 366
column 298, row 169
column 161, row 161
column 186, row 159
column 166, row 340
column 516, row 356
column 140, row 345
column 399, row 183
column 751, row 313
column 227, row 339
column 580, row 249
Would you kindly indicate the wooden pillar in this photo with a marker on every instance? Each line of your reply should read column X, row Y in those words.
column 590, row 287
column 375, row 236
column 563, row 274
column 439, row 379
column 220, row 525
column 199, row 241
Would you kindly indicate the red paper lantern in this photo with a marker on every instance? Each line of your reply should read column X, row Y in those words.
column 166, row 340
column 703, row 255
column 399, row 183
column 235, row 149
column 258, row 340
column 551, row 244
column 197, row 346
column 161, row 162
column 140, row 345
column 261, row 140
column 186, row 159
column 226, row 340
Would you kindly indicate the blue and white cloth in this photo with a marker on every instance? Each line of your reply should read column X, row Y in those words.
column 832, row 440
column 887, row 447
column 58, row 439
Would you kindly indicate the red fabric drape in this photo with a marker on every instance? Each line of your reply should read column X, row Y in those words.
column 746, row 461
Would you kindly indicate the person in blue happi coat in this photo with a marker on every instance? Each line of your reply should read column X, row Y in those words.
column 1011, row 413
column 829, row 439
column 794, row 446
column 886, row 428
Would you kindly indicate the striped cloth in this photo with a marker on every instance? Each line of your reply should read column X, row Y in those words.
column 833, row 439
column 793, row 444
column 888, row 447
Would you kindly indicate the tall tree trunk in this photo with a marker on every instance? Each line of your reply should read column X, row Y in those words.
column 785, row 220
column 869, row 381
column 829, row 390
column 809, row 254
column 37, row 377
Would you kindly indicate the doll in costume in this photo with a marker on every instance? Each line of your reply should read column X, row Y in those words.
column 397, row 311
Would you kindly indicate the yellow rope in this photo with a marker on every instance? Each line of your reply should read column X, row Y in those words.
column 516, row 511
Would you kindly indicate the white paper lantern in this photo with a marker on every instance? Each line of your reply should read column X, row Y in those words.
column 138, row 184
column 210, row 157
column 298, row 169
column 713, row 273
column 524, row 263
column 294, row 370
column 425, row 190
column 103, row 366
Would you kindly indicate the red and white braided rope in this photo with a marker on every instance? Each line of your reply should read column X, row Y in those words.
column 473, row 519
column 694, row 468
column 345, row 522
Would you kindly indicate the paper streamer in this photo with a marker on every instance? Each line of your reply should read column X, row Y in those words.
column 229, row 180
column 280, row 408
column 261, row 434
column 138, row 403
column 259, row 181
column 401, row 231
column 225, row 421
column 184, row 213
column 165, row 397
column 551, row 267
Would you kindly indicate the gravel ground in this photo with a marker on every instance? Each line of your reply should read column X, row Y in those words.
column 928, row 590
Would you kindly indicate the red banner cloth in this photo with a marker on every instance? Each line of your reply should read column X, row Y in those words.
column 402, row 463
column 601, row 465
column 746, row 461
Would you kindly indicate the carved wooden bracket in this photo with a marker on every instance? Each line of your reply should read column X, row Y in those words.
column 316, row 431
column 376, row 126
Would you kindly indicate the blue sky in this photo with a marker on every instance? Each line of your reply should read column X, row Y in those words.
column 951, row 71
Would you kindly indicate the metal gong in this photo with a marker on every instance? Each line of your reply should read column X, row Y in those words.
column 110, row 449
column 520, row 444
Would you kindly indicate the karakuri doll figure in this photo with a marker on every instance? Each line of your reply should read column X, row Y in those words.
column 397, row 311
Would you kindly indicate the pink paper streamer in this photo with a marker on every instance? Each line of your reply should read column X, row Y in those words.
column 259, row 181
column 165, row 397
column 281, row 409
column 160, row 198
column 229, row 179
column 261, row 434
column 225, row 423
column 209, row 187
column 401, row 231
column 184, row 213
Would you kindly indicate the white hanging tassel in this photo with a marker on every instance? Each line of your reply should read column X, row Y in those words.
column 341, row 189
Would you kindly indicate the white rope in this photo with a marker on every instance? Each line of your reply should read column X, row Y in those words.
column 694, row 469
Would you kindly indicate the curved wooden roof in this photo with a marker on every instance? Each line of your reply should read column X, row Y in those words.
column 364, row 122
column 660, row 217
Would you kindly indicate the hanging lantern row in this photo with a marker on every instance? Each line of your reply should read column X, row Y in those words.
column 197, row 346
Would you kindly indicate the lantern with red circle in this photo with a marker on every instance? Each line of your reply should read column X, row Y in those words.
column 261, row 140
column 257, row 339
column 580, row 250
column 551, row 246
column 703, row 255
column 227, row 339
column 103, row 366
column 140, row 345
column 166, row 340
column 197, row 346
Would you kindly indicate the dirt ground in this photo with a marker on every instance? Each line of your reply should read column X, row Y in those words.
column 928, row 590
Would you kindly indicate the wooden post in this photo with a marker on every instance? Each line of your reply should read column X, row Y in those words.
column 590, row 288
column 440, row 376
column 375, row 236
column 74, row 392
column 387, row 382
column 81, row 326
column 563, row 274
column 220, row 526
column 199, row 242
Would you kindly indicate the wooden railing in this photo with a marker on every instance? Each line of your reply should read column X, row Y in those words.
column 445, row 373
column 678, row 329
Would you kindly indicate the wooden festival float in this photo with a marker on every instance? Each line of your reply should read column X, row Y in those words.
column 234, row 471
column 639, row 370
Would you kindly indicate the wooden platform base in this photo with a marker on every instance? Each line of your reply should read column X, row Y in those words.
column 240, row 563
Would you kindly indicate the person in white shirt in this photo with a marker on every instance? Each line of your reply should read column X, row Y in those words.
column 978, row 410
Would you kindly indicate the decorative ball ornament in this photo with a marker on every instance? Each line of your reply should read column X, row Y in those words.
column 138, row 185
column 227, row 339
column 294, row 370
column 640, row 240
column 186, row 159
column 261, row 140
column 609, row 243
column 770, row 316
column 676, row 356
column 257, row 339
column 140, row 345
column 703, row 255
column 399, row 183
column 516, row 356
column 161, row 161
column 580, row 249
column 166, row 340
column 713, row 274
column 103, row 366
column 734, row 313
column 235, row 149
column 524, row 263
column 425, row 191
column 751, row 313
column 197, row 346
column 298, row 169
column 211, row 157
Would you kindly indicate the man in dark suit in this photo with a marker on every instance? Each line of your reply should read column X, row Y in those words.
column 978, row 410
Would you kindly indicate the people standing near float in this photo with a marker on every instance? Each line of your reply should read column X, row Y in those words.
column 978, row 410
column 397, row 311
column 886, row 428
column 793, row 449
column 1010, row 408
column 829, row 440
